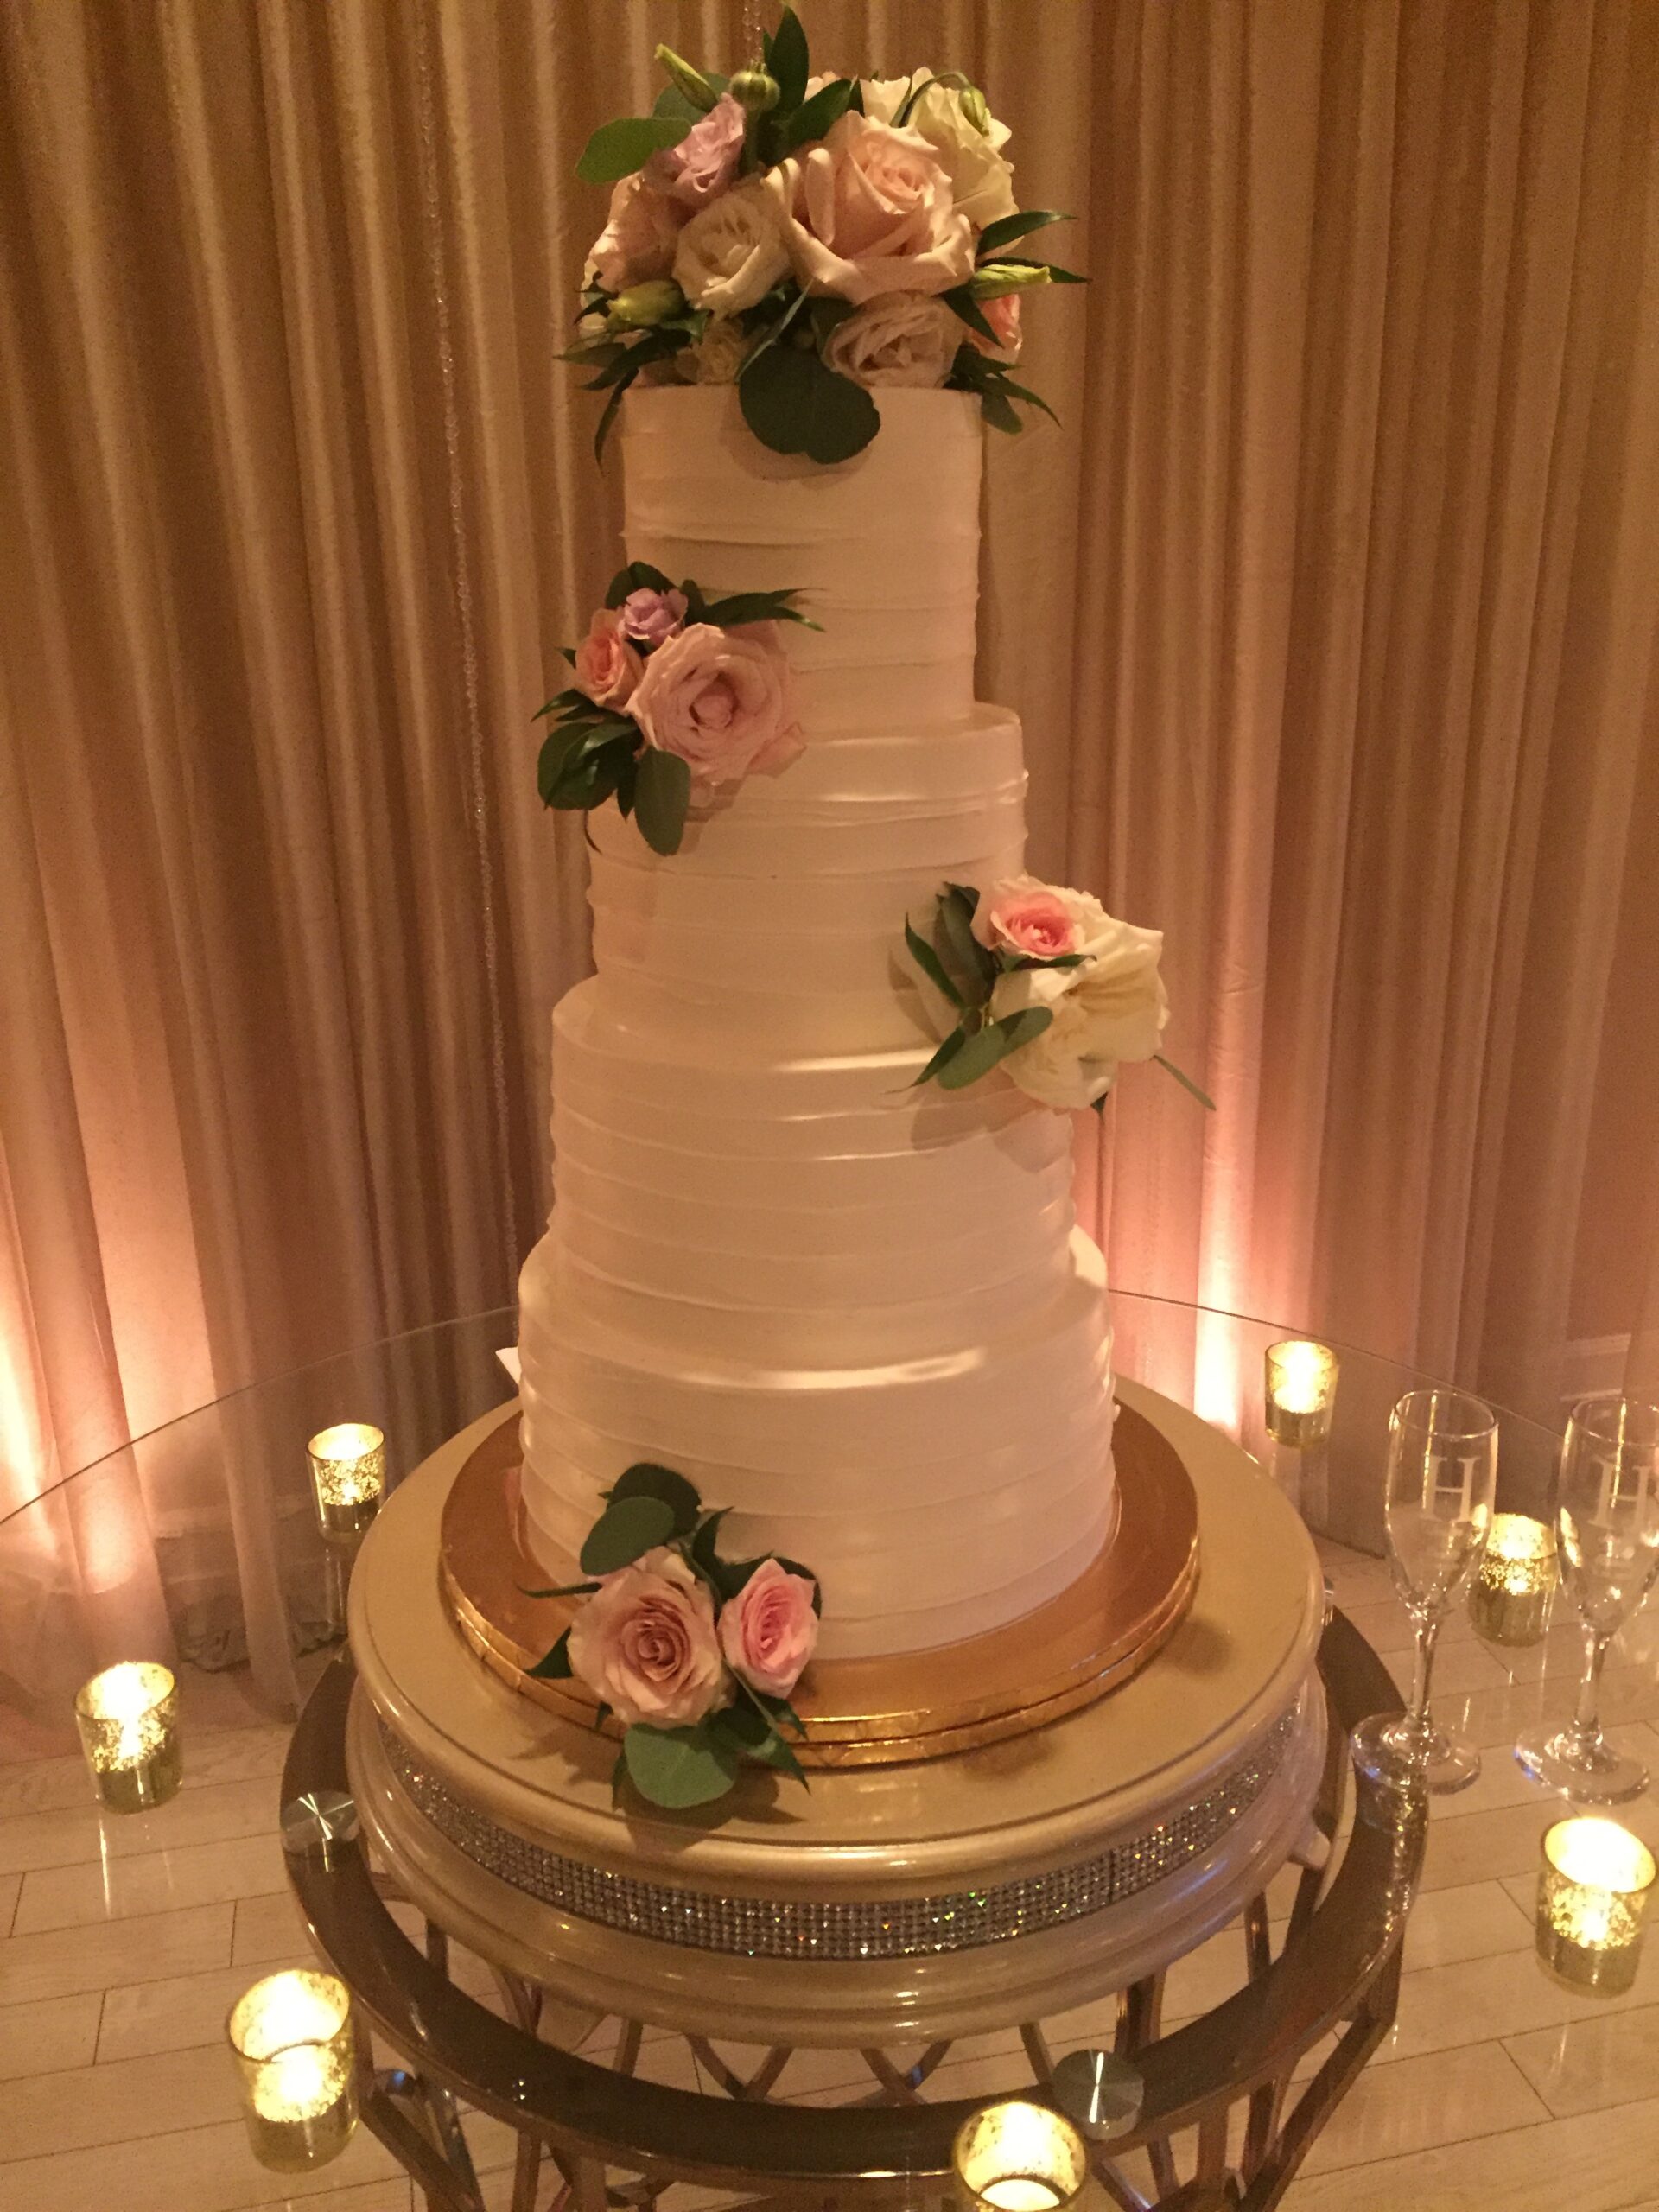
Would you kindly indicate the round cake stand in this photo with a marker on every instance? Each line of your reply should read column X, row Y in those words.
column 619, row 2140
column 901, row 1903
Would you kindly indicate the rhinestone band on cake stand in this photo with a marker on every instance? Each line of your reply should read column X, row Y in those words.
column 965, row 1892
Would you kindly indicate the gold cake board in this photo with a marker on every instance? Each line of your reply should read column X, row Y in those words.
column 1092, row 1637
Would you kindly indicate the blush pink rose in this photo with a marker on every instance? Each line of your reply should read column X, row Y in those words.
column 705, row 160
column 722, row 700
column 1027, row 917
column 607, row 667
column 638, row 243
column 869, row 209
column 769, row 1629
column 646, row 1643
column 1003, row 315
column 653, row 616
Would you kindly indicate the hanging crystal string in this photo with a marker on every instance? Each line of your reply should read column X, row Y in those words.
column 751, row 42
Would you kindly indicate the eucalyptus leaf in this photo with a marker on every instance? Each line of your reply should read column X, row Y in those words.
column 624, row 1532
column 647, row 1480
column 990, row 1045
column 1020, row 224
column 616, row 150
column 1185, row 1082
column 661, row 798
column 794, row 404
column 947, row 1052
column 555, row 1665
column 679, row 1767
column 930, row 965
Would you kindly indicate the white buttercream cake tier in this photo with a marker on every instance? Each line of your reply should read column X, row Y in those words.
column 859, row 1315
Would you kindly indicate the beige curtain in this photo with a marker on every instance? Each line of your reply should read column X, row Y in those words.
column 1331, row 611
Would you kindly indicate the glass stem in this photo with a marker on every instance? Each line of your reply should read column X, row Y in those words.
column 1585, row 1726
column 1428, row 1634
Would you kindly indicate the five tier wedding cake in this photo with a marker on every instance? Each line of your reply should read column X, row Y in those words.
column 812, row 1289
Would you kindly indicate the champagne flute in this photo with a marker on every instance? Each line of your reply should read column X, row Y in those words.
column 1442, row 1480
column 1607, row 1513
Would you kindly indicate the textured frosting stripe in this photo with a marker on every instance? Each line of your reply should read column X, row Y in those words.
column 855, row 1313
column 897, row 645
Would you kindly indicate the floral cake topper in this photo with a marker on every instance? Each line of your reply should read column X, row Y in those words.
column 695, row 1654
column 1045, row 982
column 811, row 239
column 675, row 696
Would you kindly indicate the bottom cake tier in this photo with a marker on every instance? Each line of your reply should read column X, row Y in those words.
column 978, row 1889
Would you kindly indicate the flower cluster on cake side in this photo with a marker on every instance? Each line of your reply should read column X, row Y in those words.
column 809, row 238
column 1046, row 984
column 697, row 1655
column 675, row 696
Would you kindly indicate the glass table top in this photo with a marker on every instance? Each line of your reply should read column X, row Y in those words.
column 124, row 1942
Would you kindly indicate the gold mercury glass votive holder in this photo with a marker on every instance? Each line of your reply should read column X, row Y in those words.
column 1514, row 1587
column 292, row 2038
column 348, row 1477
column 1017, row 2157
column 128, row 1717
column 1301, row 1392
column 1592, row 1893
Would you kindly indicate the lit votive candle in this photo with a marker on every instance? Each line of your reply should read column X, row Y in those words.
column 292, row 2039
column 348, row 1476
column 1592, row 1892
column 1301, row 1391
column 1017, row 2157
column 128, row 1717
column 1510, row 1597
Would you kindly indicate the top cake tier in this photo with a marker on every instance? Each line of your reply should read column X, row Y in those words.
column 883, row 549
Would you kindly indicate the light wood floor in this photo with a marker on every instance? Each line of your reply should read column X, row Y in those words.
column 124, row 1944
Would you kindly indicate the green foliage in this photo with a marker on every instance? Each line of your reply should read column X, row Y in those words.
column 990, row 1045
column 1185, row 1082
column 555, row 1665
column 814, row 117
column 639, row 575
column 616, row 150
column 787, row 60
column 931, row 966
column 679, row 1767
column 756, row 607
column 662, row 798
column 1008, row 229
column 794, row 404
column 624, row 1531
column 665, row 1483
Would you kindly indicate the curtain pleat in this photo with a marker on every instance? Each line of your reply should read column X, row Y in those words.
column 1330, row 608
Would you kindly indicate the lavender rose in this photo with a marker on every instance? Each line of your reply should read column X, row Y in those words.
column 638, row 242
column 897, row 339
column 653, row 616
column 769, row 1629
column 646, row 1643
column 607, row 667
column 705, row 160
column 722, row 700
column 869, row 209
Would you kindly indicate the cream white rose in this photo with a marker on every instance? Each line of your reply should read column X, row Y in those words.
column 907, row 339
column 1111, row 1009
column 981, row 177
column 717, row 356
column 732, row 252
